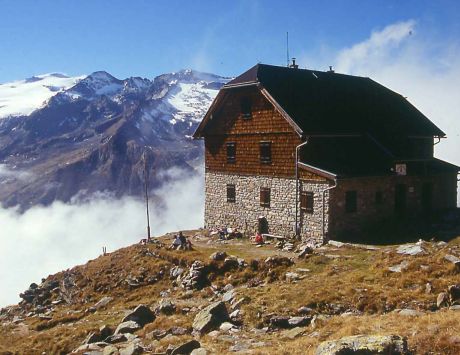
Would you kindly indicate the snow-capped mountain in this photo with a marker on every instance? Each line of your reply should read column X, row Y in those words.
column 24, row 96
column 89, row 133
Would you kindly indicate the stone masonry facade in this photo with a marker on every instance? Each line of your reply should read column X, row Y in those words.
column 246, row 210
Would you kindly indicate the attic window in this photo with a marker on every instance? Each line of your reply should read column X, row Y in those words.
column 266, row 152
column 231, row 193
column 231, row 152
column 246, row 108
column 306, row 202
column 265, row 197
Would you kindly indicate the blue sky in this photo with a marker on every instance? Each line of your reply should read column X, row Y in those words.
column 147, row 38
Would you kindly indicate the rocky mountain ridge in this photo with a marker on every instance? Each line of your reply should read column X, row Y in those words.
column 91, row 136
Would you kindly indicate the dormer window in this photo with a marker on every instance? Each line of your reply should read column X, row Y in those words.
column 246, row 108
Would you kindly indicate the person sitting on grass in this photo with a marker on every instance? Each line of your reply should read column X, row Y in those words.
column 258, row 239
column 176, row 243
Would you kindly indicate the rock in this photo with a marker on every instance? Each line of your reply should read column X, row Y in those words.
column 304, row 310
column 110, row 350
column 104, row 301
column 142, row 315
column 116, row 338
column 428, row 287
column 218, row 256
column 299, row 321
column 127, row 327
column 304, row 250
column 226, row 326
column 292, row 276
column 231, row 262
column 411, row 249
column 228, row 296
column 196, row 277
column 87, row 348
column 454, row 293
column 279, row 322
column 442, row 299
column 364, row 344
column 277, row 260
column 166, row 307
column 92, row 338
column 455, row 307
column 453, row 259
column 240, row 302
column 199, row 351
column 399, row 267
column 410, row 312
column 293, row 333
column 210, row 317
column 105, row 331
column 132, row 349
column 235, row 314
column 178, row 331
column 175, row 272
column 186, row 348
column 228, row 287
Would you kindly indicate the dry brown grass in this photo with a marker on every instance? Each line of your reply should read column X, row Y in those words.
column 356, row 279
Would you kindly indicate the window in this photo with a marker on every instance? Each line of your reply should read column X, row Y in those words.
column 306, row 201
column 351, row 201
column 231, row 152
column 266, row 152
column 231, row 193
column 265, row 197
column 246, row 105
column 378, row 197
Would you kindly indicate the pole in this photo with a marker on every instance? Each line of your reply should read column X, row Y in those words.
column 146, row 188
column 297, row 231
column 287, row 49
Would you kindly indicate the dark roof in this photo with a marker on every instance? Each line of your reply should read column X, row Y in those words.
column 327, row 102
column 344, row 157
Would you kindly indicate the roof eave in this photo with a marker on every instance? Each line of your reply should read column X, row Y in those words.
column 321, row 172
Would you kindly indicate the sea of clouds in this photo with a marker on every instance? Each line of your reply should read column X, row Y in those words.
column 45, row 240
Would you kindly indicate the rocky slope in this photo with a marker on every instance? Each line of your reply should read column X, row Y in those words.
column 91, row 136
column 231, row 297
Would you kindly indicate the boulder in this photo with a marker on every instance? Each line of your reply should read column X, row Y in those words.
column 231, row 262
column 105, row 331
column 299, row 321
column 364, row 344
column 116, row 338
column 175, row 272
column 92, row 338
column 279, row 322
column 110, row 350
column 411, row 249
column 228, row 296
column 127, row 327
column 277, row 260
column 142, row 315
column 104, row 301
column 186, row 348
column 454, row 293
column 210, row 317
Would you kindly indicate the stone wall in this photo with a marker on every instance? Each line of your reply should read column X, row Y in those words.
column 245, row 211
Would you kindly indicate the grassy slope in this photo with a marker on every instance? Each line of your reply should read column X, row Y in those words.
column 355, row 279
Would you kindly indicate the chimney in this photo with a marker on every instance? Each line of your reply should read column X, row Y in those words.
column 293, row 65
column 330, row 69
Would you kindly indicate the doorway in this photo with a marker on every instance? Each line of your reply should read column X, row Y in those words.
column 400, row 200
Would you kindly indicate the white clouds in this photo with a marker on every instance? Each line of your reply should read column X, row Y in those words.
column 408, row 59
column 8, row 174
column 45, row 240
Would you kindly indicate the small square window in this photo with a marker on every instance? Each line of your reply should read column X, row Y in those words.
column 265, row 152
column 231, row 193
column 306, row 202
column 231, row 152
column 246, row 108
column 265, row 197
column 351, row 199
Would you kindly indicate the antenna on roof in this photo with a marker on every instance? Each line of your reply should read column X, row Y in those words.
column 287, row 49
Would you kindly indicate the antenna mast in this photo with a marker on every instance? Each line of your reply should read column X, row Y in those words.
column 287, row 49
column 146, row 188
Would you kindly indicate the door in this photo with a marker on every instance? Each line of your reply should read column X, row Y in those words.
column 427, row 198
column 400, row 200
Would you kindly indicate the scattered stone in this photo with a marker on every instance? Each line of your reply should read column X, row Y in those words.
column 399, row 267
column 241, row 301
column 228, row 296
column 226, row 326
column 411, row 249
column 178, row 331
column 116, row 338
column 279, row 322
column 299, row 321
column 453, row 259
column 293, row 333
column 210, row 317
column 218, row 256
column 304, row 250
column 127, row 327
column 304, row 310
column 196, row 277
column 132, row 349
column 454, row 293
column 410, row 312
column 166, row 307
column 442, row 299
column 235, row 314
column 455, row 307
column 277, row 260
column 186, row 348
column 428, row 287
column 142, row 315
column 104, row 301
column 92, row 338
column 175, row 272
column 231, row 262
column 199, row 351
column 110, row 350
column 364, row 344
